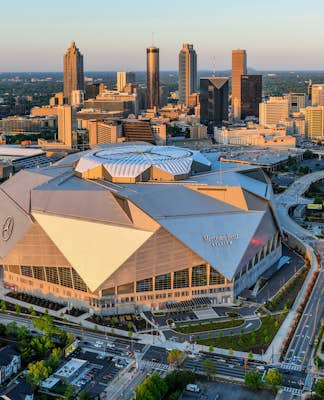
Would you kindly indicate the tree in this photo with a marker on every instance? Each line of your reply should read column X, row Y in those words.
column 319, row 388
column 318, row 361
column 3, row 306
column 230, row 352
column 17, row 309
column 273, row 378
column 253, row 380
column 23, row 333
column 84, row 395
column 250, row 355
column 55, row 357
column 37, row 372
column 175, row 356
column 69, row 393
column 130, row 326
column 208, row 367
column 211, row 348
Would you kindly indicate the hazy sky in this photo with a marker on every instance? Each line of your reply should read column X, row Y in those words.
column 113, row 34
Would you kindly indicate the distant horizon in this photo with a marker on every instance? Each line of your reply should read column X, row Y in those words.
column 169, row 70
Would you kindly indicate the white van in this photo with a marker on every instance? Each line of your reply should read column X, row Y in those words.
column 192, row 387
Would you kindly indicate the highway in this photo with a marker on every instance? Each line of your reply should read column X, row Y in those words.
column 302, row 344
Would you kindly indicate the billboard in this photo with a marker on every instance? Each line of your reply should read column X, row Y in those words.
column 314, row 206
column 71, row 348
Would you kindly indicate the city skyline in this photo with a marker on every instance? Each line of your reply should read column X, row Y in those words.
column 94, row 30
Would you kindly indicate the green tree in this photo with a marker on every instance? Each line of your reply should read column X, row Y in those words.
column 23, row 333
column 319, row 388
column 37, row 372
column 253, row 380
column 130, row 326
column 273, row 378
column 250, row 355
column 69, row 393
column 12, row 329
column 55, row 357
column 17, row 309
column 84, row 395
column 175, row 356
column 230, row 352
column 3, row 306
column 318, row 361
column 211, row 348
column 208, row 367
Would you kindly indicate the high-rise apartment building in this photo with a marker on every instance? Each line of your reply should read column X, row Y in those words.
column 251, row 95
column 153, row 77
column 73, row 71
column 314, row 117
column 296, row 101
column 239, row 68
column 66, row 116
column 273, row 111
column 213, row 101
column 317, row 93
column 187, row 73
column 123, row 78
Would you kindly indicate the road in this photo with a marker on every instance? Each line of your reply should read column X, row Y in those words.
column 301, row 346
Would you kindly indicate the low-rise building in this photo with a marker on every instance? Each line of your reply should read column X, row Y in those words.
column 10, row 363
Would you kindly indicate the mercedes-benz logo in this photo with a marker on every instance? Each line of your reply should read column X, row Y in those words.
column 7, row 228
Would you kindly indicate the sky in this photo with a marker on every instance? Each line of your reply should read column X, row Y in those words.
column 113, row 34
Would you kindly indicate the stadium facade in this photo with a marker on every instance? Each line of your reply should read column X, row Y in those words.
column 133, row 227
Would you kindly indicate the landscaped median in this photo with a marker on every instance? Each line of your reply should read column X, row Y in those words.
column 256, row 341
column 208, row 326
column 286, row 297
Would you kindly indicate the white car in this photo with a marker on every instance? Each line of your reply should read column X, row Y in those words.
column 192, row 387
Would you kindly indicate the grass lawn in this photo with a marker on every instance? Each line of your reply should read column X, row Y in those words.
column 254, row 341
column 286, row 296
column 208, row 326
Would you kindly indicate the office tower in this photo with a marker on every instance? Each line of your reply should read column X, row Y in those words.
column 73, row 71
column 238, row 69
column 91, row 91
column 102, row 132
column 251, row 95
column 213, row 101
column 57, row 100
column 296, row 101
column 153, row 77
column 273, row 111
column 66, row 125
column 317, row 93
column 77, row 98
column 123, row 78
column 314, row 117
column 187, row 73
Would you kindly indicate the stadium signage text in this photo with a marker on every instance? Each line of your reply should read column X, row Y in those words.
column 221, row 240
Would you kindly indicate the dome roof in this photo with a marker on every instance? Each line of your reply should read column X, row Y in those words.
column 141, row 162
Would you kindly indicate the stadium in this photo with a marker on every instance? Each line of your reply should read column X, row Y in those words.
column 131, row 227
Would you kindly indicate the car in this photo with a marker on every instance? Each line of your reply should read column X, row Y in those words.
column 153, row 359
column 107, row 376
column 91, row 374
column 192, row 387
column 260, row 368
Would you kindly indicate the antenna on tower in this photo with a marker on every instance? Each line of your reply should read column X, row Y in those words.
column 152, row 38
column 214, row 67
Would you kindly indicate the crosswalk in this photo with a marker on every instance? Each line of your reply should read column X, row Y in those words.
column 309, row 381
column 155, row 365
column 291, row 367
column 291, row 390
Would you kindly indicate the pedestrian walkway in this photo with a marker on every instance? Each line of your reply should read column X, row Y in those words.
column 291, row 367
column 157, row 366
column 297, row 392
column 309, row 382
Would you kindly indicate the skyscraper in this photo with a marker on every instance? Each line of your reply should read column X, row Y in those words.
column 238, row 69
column 73, row 71
column 123, row 78
column 213, row 101
column 153, row 77
column 187, row 73
column 251, row 95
